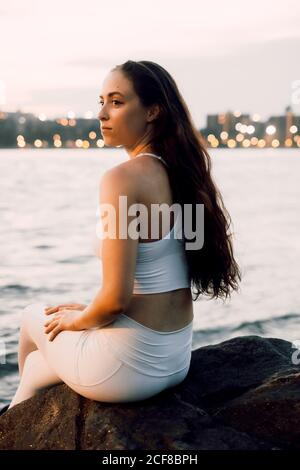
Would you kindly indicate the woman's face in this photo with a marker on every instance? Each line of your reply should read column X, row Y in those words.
column 123, row 114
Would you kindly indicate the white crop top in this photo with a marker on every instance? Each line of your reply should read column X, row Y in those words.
column 161, row 265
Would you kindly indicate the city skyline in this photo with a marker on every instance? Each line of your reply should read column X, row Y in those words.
column 57, row 55
column 224, row 130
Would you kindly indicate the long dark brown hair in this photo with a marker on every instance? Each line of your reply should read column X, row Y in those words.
column 213, row 269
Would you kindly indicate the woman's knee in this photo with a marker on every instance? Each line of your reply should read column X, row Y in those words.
column 34, row 310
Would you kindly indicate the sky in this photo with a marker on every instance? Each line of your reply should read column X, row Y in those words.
column 233, row 55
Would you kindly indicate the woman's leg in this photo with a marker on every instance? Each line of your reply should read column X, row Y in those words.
column 26, row 343
column 31, row 336
column 84, row 361
column 36, row 375
column 38, row 358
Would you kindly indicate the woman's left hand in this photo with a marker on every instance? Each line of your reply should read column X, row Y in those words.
column 62, row 320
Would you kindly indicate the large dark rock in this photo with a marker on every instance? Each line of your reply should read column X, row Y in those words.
column 241, row 394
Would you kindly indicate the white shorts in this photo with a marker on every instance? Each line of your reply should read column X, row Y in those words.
column 124, row 361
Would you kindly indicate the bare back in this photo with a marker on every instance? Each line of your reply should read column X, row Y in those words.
column 165, row 311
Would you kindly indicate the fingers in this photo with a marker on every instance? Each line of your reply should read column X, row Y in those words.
column 54, row 333
column 49, row 310
column 53, row 327
column 50, row 325
column 50, row 321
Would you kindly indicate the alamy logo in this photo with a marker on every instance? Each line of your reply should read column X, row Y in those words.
column 138, row 226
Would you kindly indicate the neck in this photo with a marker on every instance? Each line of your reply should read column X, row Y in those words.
column 139, row 149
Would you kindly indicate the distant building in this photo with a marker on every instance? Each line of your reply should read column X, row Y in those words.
column 229, row 129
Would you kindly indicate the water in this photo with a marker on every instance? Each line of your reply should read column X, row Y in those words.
column 48, row 202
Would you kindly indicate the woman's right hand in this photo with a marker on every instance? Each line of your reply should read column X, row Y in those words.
column 49, row 310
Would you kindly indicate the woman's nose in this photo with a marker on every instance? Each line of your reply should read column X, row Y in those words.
column 102, row 114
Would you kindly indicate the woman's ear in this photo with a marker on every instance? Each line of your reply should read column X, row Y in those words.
column 153, row 112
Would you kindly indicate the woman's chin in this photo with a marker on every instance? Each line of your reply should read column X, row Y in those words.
column 108, row 138
column 110, row 141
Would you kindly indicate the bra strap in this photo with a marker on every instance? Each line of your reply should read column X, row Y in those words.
column 152, row 155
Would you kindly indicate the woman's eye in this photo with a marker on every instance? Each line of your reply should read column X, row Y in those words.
column 113, row 101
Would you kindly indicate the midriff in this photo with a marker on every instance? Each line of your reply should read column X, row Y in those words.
column 164, row 311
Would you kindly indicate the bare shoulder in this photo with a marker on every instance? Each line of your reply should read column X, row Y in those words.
column 118, row 179
column 114, row 184
column 132, row 176
column 137, row 166
column 146, row 171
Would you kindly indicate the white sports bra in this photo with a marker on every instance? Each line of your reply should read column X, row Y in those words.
column 161, row 265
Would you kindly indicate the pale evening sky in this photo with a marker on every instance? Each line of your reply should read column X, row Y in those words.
column 223, row 55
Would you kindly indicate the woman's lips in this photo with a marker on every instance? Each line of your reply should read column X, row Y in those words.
column 105, row 130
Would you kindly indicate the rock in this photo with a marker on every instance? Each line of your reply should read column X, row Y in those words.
column 251, row 384
column 241, row 394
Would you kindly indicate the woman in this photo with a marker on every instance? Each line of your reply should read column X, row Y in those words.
column 135, row 338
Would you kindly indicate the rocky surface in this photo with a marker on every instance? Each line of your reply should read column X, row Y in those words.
column 241, row 394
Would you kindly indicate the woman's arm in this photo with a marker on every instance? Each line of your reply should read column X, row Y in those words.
column 118, row 255
column 100, row 312
column 118, row 264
